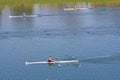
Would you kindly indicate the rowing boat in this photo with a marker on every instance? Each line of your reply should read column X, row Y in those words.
column 24, row 16
column 69, row 9
column 45, row 62
column 73, row 9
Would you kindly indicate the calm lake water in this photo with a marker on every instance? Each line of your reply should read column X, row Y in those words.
column 91, row 36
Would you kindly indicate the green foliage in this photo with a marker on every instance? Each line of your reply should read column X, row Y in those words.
column 6, row 2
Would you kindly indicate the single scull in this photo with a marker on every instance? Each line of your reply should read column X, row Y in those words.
column 45, row 62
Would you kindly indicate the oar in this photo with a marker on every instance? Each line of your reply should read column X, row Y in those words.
column 58, row 65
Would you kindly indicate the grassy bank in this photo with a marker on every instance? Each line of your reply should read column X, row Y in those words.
column 16, row 2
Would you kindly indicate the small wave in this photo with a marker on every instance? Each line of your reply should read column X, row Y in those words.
column 31, row 34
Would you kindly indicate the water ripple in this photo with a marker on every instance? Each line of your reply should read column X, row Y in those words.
column 57, row 33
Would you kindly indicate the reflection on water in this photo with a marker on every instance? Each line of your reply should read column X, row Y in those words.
column 18, row 9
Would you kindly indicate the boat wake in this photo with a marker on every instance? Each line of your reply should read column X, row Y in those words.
column 102, row 60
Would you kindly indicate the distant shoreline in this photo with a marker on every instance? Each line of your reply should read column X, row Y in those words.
column 15, row 2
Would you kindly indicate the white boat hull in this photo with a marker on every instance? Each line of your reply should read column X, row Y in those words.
column 73, row 9
column 26, row 16
column 45, row 62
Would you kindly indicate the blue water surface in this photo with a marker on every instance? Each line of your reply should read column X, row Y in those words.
column 91, row 36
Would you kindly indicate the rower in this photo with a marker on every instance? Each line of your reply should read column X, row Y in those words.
column 50, row 59
column 24, row 14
